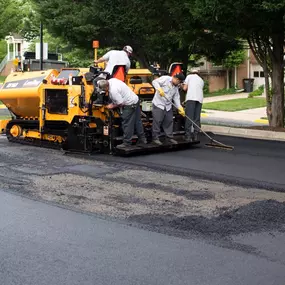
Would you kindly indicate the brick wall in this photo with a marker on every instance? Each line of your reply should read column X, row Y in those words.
column 252, row 58
column 217, row 80
column 241, row 74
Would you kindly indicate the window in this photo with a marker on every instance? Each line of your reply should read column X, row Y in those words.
column 56, row 101
column 255, row 74
column 65, row 73
column 261, row 73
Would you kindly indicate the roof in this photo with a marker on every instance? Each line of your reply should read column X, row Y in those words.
column 139, row 71
column 14, row 38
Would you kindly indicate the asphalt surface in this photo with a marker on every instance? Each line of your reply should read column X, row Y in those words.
column 43, row 244
column 252, row 163
column 184, row 230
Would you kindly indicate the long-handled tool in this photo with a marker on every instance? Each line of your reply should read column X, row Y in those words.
column 213, row 142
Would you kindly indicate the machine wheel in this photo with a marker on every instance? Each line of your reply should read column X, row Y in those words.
column 16, row 131
column 14, row 128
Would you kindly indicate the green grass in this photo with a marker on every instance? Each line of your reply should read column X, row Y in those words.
column 236, row 104
column 1, row 103
column 220, row 93
column 2, row 78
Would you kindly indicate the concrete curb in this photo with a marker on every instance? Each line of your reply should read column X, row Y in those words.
column 245, row 133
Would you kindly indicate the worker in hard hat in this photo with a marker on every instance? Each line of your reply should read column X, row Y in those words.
column 116, row 57
column 194, row 85
column 167, row 90
column 122, row 96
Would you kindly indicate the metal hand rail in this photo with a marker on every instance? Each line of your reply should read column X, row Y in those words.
column 3, row 63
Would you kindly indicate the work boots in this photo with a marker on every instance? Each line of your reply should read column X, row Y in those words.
column 171, row 141
column 188, row 138
column 123, row 146
column 195, row 136
column 157, row 142
column 141, row 141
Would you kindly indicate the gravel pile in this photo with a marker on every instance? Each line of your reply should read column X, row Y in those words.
column 254, row 217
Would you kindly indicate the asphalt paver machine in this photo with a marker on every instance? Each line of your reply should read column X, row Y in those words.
column 58, row 109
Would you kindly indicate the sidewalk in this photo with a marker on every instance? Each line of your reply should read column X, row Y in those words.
column 237, row 123
column 249, row 117
column 225, row 97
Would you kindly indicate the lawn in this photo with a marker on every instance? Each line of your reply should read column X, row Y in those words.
column 236, row 104
column 2, row 78
column 5, row 117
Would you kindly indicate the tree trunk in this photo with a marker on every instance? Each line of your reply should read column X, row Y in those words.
column 235, row 78
column 228, row 79
column 277, row 81
column 268, row 95
column 185, row 59
column 141, row 57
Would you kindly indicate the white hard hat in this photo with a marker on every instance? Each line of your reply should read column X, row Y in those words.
column 128, row 49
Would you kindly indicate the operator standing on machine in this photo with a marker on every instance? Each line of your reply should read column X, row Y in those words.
column 194, row 85
column 116, row 57
column 122, row 96
column 162, row 113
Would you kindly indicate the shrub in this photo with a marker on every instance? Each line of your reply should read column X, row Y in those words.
column 206, row 87
column 257, row 92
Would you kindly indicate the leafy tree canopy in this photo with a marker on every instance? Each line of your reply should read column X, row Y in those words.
column 9, row 19
column 159, row 30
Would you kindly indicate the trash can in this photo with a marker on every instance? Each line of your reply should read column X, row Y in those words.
column 248, row 85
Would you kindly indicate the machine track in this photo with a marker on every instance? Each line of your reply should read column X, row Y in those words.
column 29, row 141
column 129, row 151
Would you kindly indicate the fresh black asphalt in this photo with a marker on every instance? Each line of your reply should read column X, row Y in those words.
column 41, row 244
column 252, row 163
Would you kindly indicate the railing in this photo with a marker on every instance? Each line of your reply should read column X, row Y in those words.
column 3, row 63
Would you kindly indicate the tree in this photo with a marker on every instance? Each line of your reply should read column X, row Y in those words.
column 29, row 26
column 232, row 60
column 3, row 49
column 9, row 18
column 262, row 24
column 160, row 30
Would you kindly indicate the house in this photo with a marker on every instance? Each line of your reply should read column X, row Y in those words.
column 18, row 54
column 219, row 78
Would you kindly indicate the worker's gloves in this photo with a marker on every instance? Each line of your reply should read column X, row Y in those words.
column 181, row 111
column 161, row 92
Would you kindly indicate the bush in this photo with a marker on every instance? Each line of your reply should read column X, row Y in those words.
column 220, row 92
column 257, row 92
column 206, row 87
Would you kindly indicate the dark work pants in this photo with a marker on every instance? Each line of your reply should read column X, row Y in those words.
column 164, row 119
column 193, row 111
column 131, row 116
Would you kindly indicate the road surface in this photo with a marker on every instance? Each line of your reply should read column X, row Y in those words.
column 254, row 163
column 155, row 226
column 42, row 244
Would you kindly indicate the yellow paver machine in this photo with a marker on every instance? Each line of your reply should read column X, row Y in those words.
column 58, row 109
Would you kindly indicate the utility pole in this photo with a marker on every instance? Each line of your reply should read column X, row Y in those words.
column 41, row 46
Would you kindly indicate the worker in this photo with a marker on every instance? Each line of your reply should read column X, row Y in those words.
column 194, row 85
column 116, row 57
column 167, row 90
column 122, row 96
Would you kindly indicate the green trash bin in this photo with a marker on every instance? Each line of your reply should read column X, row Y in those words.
column 248, row 85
